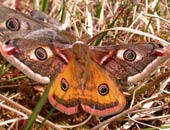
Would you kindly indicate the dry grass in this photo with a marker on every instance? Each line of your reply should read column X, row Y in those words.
column 148, row 101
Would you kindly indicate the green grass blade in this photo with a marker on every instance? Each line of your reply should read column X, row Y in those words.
column 63, row 15
column 155, row 10
column 38, row 107
column 99, row 9
column 109, row 26
column 48, row 115
column 17, row 78
column 44, row 5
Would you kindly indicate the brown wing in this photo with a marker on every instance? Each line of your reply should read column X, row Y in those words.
column 131, row 62
column 15, row 24
column 36, row 59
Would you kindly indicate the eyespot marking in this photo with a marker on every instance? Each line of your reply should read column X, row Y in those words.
column 41, row 53
column 103, row 89
column 125, row 54
column 64, row 84
column 13, row 24
column 129, row 55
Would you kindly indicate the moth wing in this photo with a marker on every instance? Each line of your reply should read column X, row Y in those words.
column 115, row 59
column 15, row 24
column 37, row 59
column 65, row 91
column 102, row 95
column 14, row 21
